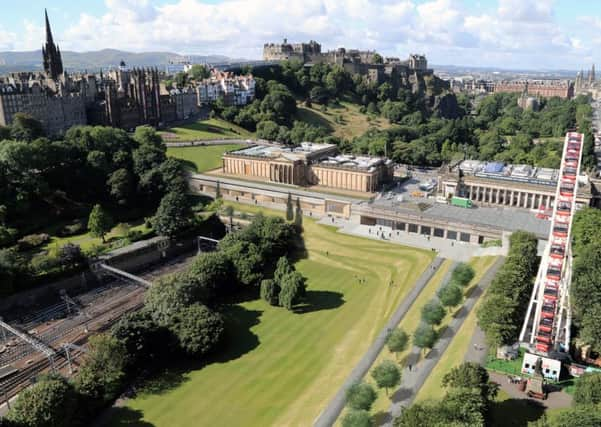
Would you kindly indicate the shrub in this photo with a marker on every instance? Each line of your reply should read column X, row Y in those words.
column 7, row 236
column 77, row 227
column 270, row 291
column 33, row 241
column 43, row 263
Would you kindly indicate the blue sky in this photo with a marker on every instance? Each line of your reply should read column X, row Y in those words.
column 535, row 34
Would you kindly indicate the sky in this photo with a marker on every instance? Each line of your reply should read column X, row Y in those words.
column 525, row 34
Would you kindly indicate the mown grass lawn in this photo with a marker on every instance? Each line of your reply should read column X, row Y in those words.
column 203, row 130
column 281, row 368
column 203, row 157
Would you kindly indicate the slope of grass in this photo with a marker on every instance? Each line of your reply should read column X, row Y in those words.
column 203, row 157
column 203, row 130
column 86, row 241
column 455, row 352
column 345, row 120
column 281, row 368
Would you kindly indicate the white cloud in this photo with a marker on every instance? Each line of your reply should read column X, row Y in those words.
column 514, row 33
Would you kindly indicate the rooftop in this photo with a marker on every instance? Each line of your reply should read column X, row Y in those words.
column 519, row 173
column 350, row 161
column 508, row 219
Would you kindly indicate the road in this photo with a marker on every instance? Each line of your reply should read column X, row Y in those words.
column 413, row 380
column 335, row 406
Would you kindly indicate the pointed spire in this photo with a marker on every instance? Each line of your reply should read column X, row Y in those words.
column 48, row 30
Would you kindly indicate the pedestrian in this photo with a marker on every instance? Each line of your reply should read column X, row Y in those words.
column 410, row 366
column 476, row 347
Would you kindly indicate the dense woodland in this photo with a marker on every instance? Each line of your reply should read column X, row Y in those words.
column 492, row 127
column 49, row 187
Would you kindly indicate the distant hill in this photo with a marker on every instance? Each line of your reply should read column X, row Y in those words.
column 93, row 61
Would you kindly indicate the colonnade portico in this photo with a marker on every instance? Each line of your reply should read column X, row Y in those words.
column 528, row 199
column 280, row 172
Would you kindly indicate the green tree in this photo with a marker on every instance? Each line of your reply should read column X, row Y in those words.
column 397, row 341
column 217, row 191
column 268, row 129
column 292, row 289
column 588, row 390
column 166, row 297
column 470, row 375
column 578, row 417
column 289, row 208
column 463, row 274
column 360, row 396
column 282, row 269
column 387, row 375
column 357, row 418
column 450, row 295
column 144, row 340
column 298, row 214
column 433, row 312
column 121, row 185
column 199, row 72
column 198, row 329
column 102, row 374
column 377, row 59
column 51, row 402
column 173, row 215
column 25, row 128
column 586, row 228
column 590, row 330
column 211, row 275
column 229, row 212
column 99, row 222
column 270, row 291
column 425, row 337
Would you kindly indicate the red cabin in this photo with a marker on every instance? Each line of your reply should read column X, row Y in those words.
column 544, row 348
column 560, row 230
column 557, row 251
column 546, row 325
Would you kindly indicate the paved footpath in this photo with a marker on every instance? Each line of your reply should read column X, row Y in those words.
column 413, row 380
column 335, row 406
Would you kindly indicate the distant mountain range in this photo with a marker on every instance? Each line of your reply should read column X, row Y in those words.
column 93, row 61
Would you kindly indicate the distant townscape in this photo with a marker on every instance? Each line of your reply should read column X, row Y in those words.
column 318, row 237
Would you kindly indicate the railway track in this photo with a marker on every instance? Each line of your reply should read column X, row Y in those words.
column 97, row 311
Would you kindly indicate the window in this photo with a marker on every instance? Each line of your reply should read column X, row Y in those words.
column 412, row 228
column 464, row 237
column 451, row 235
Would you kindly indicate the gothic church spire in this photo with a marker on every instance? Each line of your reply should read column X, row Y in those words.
column 53, row 63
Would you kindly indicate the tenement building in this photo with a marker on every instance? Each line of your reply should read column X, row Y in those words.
column 540, row 88
column 309, row 165
column 50, row 97
column 122, row 97
column 232, row 89
column 498, row 184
